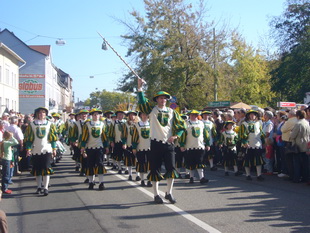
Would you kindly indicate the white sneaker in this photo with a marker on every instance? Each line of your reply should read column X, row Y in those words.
column 282, row 175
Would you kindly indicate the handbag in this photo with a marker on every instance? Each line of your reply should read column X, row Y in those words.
column 291, row 148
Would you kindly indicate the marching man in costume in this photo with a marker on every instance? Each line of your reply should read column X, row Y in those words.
column 194, row 140
column 75, row 135
column 141, row 145
column 40, row 140
column 93, row 143
column 228, row 142
column 166, row 126
column 252, row 138
column 108, row 122
column 210, row 126
column 69, row 123
column 180, row 155
column 129, row 157
column 116, row 134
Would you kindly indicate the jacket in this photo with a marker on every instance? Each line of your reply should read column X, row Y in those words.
column 287, row 128
column 300, row 135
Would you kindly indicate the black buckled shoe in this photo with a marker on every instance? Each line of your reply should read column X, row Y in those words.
column 214, row 168
column 149, row 184
column 39, row 191
column 260, row 178
column 126, row 172
column 191, row 180
column 101, row 186
column 45, row 192
column 203, row 180
column 238, row 173
column 158, row 200
column 130, row 177
column 86, row 181
column 120, row 172
column 142, row 183
column 170, row 198
column 91, row 186
column 138, row 178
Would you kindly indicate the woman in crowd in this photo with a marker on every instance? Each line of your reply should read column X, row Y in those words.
column 300, row 136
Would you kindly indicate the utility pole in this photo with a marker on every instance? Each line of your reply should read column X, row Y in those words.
column 214, row 66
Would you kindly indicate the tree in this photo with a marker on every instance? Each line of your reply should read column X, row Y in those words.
column 292, row 31
column 252, row 84
column 106, row 100
column 173, row 50
column 293, row 26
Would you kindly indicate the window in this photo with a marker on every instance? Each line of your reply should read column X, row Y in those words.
column 7, row 76
column 15, row 81
column 7, row 102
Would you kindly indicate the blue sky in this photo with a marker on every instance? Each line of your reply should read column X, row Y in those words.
column 38, row 22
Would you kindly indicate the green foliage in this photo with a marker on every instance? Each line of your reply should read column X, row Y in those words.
column 291, row 77
column 172, row 47
column 253, row 79
column 110, row 100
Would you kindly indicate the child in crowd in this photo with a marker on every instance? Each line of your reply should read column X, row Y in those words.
column 269, row 157
column 228, row 142
column 7, row 155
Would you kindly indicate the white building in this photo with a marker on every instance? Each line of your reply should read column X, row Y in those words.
column 40, row 84
column 10, row 63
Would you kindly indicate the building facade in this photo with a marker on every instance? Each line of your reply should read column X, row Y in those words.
column 10, row 63
column 40, row 81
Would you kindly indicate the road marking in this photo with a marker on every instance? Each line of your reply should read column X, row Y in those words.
column 181, row 212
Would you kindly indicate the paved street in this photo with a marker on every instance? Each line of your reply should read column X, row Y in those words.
column 226, row 204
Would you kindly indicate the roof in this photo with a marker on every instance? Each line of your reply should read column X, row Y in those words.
column 6, row 48
column 22, row 42
column 45, row 49
column 239, row 105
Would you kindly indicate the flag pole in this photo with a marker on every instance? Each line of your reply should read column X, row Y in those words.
column 105, row 41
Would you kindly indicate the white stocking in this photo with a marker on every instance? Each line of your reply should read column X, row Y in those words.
column 259, row 170
column 155, row 188
column 91, row 179
column 130, row 171
column 46, row 180
column 39, row 181
column 211, row 163
column 200, row 172
column 169, row 185
column 100, row 176
column 192, row 173
column 247, row 171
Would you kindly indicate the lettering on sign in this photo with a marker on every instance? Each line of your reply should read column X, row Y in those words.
column 30, row 86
